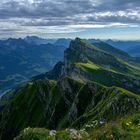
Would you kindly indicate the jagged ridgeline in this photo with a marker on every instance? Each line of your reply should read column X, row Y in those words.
column 90, row 89
column 101, row 63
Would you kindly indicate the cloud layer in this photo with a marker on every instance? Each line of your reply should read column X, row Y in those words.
column 62, row 16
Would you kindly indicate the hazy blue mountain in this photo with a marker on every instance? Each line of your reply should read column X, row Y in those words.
column 131, row 47
column 93, row 40
column 37, row 40
column 134, row 50
column 63, row 42
column 21, row 59
column 112, row 50
column 122, row 44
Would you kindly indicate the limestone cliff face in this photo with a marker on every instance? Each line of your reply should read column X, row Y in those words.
column 82, row 51
column 111, row 71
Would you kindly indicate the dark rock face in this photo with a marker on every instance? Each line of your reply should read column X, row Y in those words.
column 54, row 74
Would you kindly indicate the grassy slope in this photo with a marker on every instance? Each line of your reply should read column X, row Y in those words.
column 70, row 103
column 26, row 109
column 64, row 104
column 110, row 49
column 127, row 128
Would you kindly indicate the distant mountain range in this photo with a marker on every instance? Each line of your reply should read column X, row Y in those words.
column 20, row 59
column 94, row 93
column 131, row 47
column 37, row 40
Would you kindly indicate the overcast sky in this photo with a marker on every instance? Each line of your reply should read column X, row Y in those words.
column 117, row 19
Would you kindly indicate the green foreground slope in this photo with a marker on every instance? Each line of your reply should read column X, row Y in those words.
column 127, row 128
column 62, row 104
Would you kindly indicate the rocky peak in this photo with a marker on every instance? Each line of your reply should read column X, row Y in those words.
column 81, row 44
column 81, row 51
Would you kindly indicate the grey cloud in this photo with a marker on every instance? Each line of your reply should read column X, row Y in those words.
column 68, row 12
column 44, row 8
column 121, row 16
column 115, row 5
column 43, row 22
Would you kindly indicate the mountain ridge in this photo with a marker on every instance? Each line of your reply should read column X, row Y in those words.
column 94, row 60
column 58, row 105
column 90, row 85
